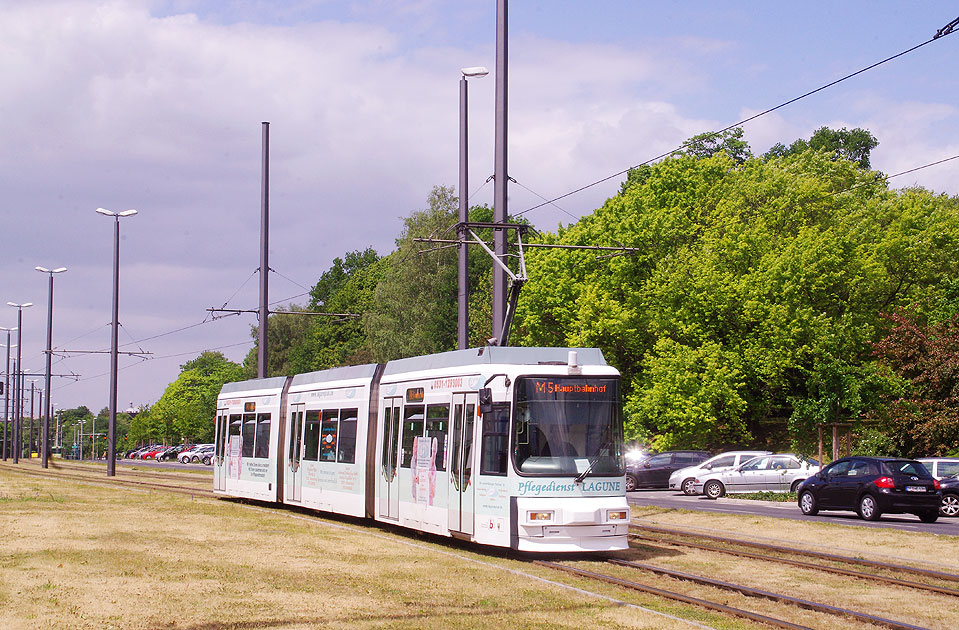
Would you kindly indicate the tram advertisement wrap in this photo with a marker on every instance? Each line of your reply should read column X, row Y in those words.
column 566, row 488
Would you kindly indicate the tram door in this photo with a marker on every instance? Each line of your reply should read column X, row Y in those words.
column 219, row 459
column 389, row 464
column 294, row 486
column 461, row 463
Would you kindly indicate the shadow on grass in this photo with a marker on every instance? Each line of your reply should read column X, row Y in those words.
column 439, row 613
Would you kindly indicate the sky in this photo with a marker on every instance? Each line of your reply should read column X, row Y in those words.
column 158, row 106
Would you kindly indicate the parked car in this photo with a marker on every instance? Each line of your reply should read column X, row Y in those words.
column 654, row 471
column 941, row 467
column 873, row 486
column 950, row 496
column 685, row 478
column 138, row 454
column 172, row 452
column 776, row 473
column 197, row 455
column 186, row 456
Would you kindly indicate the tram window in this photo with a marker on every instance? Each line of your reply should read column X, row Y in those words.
column 468, row 443
column 236, row 426
column 437, row 425
column 311, row 439
column 347, row 438
column 495, row 440
column 328, row 436
column 389, row 465
column 455, row 445
column 262, row 449
column 249, row 434
column 412, row 428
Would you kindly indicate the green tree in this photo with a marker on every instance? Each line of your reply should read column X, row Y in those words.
column 285, row 334
column 414, row 307
column 854, row 145
column 755, row 295
column 186, row 409
column 709, row 144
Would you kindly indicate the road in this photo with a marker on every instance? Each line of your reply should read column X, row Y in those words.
column 672, row 499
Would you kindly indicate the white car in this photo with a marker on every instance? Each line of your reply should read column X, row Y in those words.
column 940, row 467
column 772, row 473
column 685, row 478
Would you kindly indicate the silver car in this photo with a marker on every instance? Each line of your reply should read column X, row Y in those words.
column 685, row 478
column 774, row 473
column 940, row 467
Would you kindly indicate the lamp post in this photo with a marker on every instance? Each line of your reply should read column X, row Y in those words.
column 45, row 445
column 17, row 401
column 6, row 397
column 462, row 302
column 112, row 426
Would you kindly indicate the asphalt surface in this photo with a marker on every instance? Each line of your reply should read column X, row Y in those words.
column 677, row 500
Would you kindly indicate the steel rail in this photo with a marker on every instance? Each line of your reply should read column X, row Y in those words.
column 680, row 597
column 805, row 565
column 950, row 577
column 776, row 597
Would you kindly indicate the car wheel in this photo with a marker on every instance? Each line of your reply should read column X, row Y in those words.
column 807, row 503
column 868, row 509
column 928, row 517
column 796, row 484
column 630, row 483
column 950, row 505
column 206, row 461
column 195, row 459
column 714, row 489
column 689, row 487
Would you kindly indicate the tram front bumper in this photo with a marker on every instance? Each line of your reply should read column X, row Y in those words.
column 572, row 524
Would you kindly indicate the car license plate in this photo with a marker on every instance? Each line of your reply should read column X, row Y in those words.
column 915, row 488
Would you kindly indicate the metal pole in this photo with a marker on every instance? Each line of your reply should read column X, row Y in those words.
column 500, row 170
column 45, row 445
column 33, row 389
column 112, row 424
column 261, row 355
column 6, row 403
column 18, row 394
column 462, row 301
column 93, row 439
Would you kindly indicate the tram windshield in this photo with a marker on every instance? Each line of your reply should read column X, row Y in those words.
column 568, row 426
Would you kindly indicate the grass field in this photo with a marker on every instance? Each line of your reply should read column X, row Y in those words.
column 75, row 555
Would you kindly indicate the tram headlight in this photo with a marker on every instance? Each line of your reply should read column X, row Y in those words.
column 539, row 516
column 617, row 515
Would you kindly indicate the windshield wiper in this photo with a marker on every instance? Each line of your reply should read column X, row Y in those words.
column 605, row 447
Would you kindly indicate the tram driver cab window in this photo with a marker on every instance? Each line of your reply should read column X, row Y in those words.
column 495, row 454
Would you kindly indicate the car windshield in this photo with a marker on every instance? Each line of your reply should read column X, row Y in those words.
column 567, row 425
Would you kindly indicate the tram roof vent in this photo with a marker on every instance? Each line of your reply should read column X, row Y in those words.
column 573, row 363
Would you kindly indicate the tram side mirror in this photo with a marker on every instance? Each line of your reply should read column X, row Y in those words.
column 486, row 400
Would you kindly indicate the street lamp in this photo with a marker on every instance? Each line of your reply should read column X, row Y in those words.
column 45, row 445
column 462, row 302
column 112, row 426
column 6, row 396
column 17, row 401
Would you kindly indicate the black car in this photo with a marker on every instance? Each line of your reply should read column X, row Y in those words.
column 872, row 486
column 654, row 471
column 950, row 496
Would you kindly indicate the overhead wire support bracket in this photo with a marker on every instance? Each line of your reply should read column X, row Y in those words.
column 947, row 29
column 237, row 311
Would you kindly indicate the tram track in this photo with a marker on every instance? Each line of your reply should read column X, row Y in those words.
column 682, row 538
column 726, row 586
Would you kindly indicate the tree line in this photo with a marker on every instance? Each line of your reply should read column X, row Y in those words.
column 769, row 295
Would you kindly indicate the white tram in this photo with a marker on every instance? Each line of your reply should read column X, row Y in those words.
column 512, row 447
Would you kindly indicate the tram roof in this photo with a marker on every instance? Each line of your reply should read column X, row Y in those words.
column 493, row 355
column 274, row 382
column 344, row 373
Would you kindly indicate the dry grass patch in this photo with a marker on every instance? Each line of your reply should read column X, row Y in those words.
column 100, row 557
